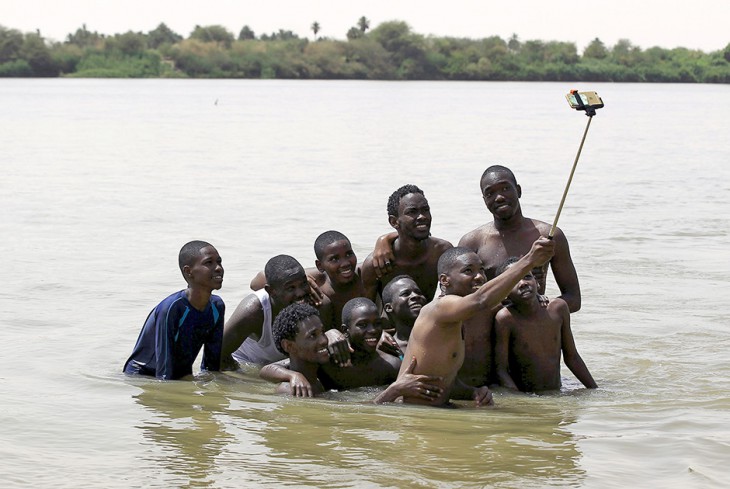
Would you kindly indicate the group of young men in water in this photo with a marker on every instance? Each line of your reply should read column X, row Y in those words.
column 324, row 328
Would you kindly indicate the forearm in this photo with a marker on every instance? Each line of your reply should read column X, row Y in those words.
column 580, row 370
column 276, row 373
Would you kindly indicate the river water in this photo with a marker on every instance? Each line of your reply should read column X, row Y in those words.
column 103, row 181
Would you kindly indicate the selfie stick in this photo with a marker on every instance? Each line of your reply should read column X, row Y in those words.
column 590, row 112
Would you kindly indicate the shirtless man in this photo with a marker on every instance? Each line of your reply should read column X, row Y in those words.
column 415, row 251
column 437, row 339
column 530, row 339
column 512, row 234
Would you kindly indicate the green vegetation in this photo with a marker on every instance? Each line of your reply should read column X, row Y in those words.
column 390, row 51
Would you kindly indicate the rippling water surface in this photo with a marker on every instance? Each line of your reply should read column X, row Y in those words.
column 103, row 181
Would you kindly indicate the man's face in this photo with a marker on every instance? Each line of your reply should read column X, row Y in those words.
column 414, row 217
column 338, row 262
column 525, row 290
column 466, row 275
column 207, row 270
column 365, row 328
column 407, row 300
column 501, row 195
column 310, row 343
column 294, row 288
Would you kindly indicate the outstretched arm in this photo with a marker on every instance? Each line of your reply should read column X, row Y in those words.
column 452, row 308
column 571, row 357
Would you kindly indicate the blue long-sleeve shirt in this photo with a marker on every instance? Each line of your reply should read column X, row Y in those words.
column 173, row 335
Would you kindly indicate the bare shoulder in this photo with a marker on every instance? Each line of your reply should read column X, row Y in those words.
column 473, row 238
column 558, row 306
column 440, row 245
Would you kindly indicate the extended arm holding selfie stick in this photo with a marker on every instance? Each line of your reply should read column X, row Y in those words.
column 589, row 102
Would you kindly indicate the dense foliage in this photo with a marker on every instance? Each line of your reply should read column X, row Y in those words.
column 390, row 51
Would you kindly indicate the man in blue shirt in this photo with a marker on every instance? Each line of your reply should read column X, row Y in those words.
column 184, row 322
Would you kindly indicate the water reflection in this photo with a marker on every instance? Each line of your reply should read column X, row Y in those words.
column 186, row 429
column 321, row 443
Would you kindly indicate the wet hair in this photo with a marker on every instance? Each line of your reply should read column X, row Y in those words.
column 190, row 252
column 389, row 289
column 449, row 257
column 286, row 324
column 395, row 197
column 353, row 304
column 325, row 239
column 277, row 267
column 504, row 266
column 499, row 169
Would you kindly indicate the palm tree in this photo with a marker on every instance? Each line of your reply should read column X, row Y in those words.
column 315, row 28
column 363, row 23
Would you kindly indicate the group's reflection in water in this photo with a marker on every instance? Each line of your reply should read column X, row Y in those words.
column 231, row 429
column 186, row 428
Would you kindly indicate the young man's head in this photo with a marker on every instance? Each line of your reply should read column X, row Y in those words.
column 402, row 300
column 201, row 265
column 362, row 324
column 500, row 192
column 335, row 257
column 461, row 272
column 286, row 281
column 409, row 213
column 525, row 290
column 298, row 333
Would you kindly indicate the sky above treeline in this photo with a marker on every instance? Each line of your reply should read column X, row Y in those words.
column 700, row 24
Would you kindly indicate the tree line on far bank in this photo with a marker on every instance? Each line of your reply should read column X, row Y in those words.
column 390, row 51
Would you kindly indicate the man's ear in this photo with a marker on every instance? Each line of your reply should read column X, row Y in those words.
column 393, row 221
column 443, row 281
column 388, row 308
column 519, row 191
column 267, row 288
column 287, row 345
column 186, row 271
column 319, row 266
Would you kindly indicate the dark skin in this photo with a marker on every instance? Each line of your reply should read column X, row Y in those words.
column 530, row 339
column 340, row 276
column 415, row 252
column 512, row 234
column 437, row 339
column 403, row 308
column 248, row 318
column 337, row 279
column 370, row 366
column 478, row 367
column 307, row 351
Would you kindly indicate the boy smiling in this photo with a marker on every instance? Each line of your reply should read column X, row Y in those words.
column 184, row 322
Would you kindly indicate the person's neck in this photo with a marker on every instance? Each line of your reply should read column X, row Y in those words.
column 527, row 308
column 514, row 222
column 406, row 246
column 197, row 297
column 339, row 288
column 308, row 369
column 403, row 330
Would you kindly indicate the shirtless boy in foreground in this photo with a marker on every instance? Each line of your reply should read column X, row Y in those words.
column 530, row 338
column 437, row 339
